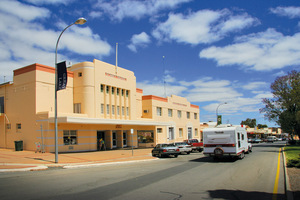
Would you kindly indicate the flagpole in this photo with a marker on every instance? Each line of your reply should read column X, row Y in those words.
column 78, row 21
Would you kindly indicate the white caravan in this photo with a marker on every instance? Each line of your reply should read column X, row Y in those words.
column 226, row 140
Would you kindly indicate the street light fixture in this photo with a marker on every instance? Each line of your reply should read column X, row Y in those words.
column 78, row 21
column 218, row 108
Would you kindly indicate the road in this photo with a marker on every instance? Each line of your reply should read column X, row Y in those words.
column 184, row 178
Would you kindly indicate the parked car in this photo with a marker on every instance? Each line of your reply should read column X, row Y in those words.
column 250, row 140
column 183, row 147
column 196, row 145
column 257, row 140
column 165, row 150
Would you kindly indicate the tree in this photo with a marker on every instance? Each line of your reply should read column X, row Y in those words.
column 260, row 126
column 250, row 122
column 284, row 107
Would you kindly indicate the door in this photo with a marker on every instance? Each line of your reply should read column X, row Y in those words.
column 114, row 139
column 190, row 133
column 100, row 135
column 125, row 139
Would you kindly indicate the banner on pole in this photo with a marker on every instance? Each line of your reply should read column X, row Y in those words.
column 62, row 76
column 219, row 119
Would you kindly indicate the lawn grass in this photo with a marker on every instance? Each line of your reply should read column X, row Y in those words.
column 292, row 153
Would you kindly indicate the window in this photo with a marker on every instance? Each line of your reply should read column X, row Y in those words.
column 196, row 132
column 102, row 88
column 77, row 107
column 122, row 92
column 159, row 130
column 113, row 109
column 107, row 89
column 118, row 110
column 195, row 116
column 118, row 91
column 145, row 136
column 188, row 115
column 79, row 74
column 1, row 104
column 180, row 132
column 112, row 90
column 70, row 137
column 102, row 108
column 8, row 126
column 107, row 109
column 158, row 111
column 179, row 113
column 18, row 126
column 123, row 110
column 170, row 112
column 127, row 92
column 127, row 111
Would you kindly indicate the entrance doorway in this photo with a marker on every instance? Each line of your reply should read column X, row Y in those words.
column 114, row 139
column 100, row 135
column 125, row 139
column 190, row 133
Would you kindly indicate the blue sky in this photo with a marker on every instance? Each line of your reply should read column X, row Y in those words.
column 209, row 51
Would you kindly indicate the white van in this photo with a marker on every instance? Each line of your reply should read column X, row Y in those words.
column 226, row 140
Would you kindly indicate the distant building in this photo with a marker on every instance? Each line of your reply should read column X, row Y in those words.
column 264, row 132
column 101, row 101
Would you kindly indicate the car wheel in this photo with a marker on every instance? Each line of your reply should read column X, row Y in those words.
column 175, row 156
column 188, row 152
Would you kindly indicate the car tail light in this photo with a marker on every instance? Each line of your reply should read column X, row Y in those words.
column 177, row 149
column 165, row 150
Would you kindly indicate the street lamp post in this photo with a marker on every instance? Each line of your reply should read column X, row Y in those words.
column 78, row 21
column 217, row 110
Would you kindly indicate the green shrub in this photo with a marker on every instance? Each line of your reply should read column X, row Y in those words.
column 292, row 153
column 293, row 163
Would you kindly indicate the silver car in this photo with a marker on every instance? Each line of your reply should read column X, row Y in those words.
column 165, row 150
column 183, row 147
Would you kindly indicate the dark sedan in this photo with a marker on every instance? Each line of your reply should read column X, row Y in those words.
column 165, row 150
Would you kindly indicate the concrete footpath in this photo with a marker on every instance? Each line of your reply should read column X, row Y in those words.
column 11, row 160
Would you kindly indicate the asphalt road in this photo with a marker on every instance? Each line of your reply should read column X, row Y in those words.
column 184, row 178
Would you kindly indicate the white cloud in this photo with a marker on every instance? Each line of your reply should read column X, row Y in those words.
column 139, row 40
column 263, row 51
column 211, row 93
column 158, row 89
column 291, row 11
column 120, row 9
column 26, row 42
column 255, row 85
column 95, row 14
column 22, row 11
column 204, row 26
column 44, row 2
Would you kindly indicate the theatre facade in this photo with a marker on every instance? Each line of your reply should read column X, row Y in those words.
column 101, row 101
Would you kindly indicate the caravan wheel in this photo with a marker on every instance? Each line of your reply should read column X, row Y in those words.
column 242, row 155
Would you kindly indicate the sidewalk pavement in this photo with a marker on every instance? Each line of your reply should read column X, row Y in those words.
column 11, row 160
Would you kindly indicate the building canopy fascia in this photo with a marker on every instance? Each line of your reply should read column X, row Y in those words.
column 82, row 120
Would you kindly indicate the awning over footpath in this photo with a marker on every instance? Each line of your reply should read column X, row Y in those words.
column 84, row 120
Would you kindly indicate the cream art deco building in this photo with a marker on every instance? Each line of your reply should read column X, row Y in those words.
column 101, row 101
